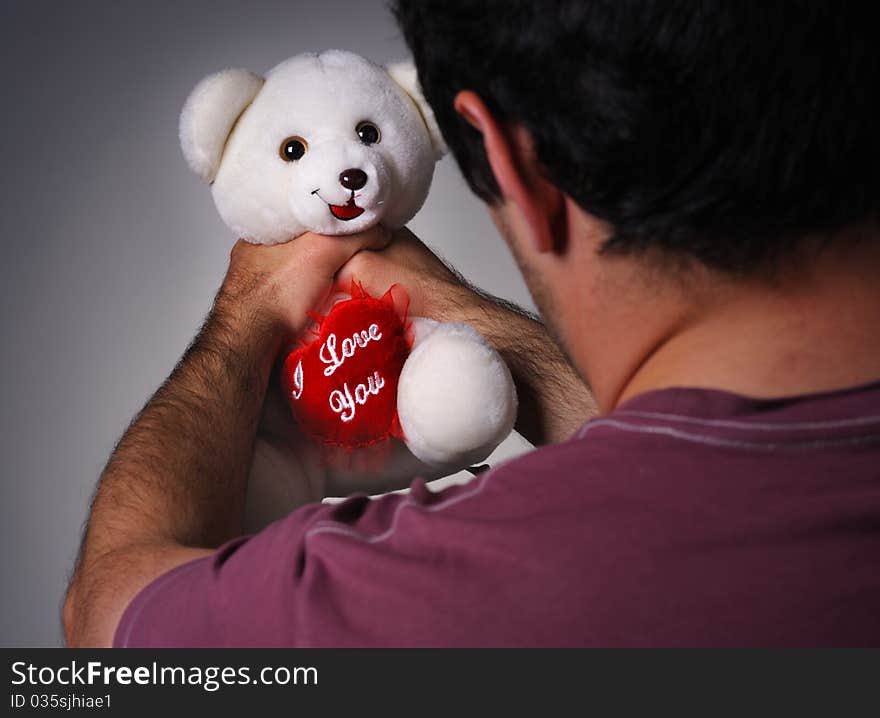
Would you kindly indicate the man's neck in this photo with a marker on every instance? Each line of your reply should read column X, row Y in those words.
column 816, row 331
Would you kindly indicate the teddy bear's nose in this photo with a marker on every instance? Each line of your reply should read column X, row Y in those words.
column 352, row 178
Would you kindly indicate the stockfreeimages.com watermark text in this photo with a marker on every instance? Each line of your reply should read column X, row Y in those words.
column 210, row 678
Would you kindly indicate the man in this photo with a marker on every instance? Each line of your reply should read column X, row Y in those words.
column 692, row 195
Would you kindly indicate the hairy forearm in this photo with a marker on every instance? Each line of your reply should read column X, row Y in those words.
column 553, row 400
column 179, row 473
column 175, row 485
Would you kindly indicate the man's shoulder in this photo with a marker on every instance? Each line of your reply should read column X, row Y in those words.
column 676, row 438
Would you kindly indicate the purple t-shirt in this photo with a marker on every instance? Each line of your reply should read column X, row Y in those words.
column 685, row 518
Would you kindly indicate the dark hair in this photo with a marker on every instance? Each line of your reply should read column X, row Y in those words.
column 721, row 130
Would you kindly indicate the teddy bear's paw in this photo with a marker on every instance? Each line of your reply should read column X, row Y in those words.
column 456, row 399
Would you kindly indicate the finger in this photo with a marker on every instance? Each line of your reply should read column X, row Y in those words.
column 374, row 238
column 379, row 268
column 352, row 272
column 328, row 254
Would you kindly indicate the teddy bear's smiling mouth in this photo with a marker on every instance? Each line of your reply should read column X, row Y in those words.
column 343, row 212
column 346, row 211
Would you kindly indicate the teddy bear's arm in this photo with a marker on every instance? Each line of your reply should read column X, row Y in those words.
column 456, row 399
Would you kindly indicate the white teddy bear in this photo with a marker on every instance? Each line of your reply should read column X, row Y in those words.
column 333, row 143
column 329, row 143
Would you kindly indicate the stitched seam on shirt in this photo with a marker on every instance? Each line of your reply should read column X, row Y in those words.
column 334, row 527
column 728, row 443
column 831, row 424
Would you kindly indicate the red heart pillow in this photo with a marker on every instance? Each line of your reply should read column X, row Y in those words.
column 342, row 387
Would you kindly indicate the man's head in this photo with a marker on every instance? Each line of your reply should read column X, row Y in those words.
column 719, row 136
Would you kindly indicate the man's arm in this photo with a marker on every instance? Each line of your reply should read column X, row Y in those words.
column 174, row 488
column 553, row 400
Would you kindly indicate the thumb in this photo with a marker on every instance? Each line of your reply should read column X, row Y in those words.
column 331, row 253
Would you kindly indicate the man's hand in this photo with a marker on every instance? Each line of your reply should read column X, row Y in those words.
column 435, row 290
column 278, row 285
column 553, row 399
column 174, row 488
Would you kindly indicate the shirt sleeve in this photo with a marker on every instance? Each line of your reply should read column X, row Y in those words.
column 320, row 576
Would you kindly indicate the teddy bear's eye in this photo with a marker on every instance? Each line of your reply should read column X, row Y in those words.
column 368, row 132
column 293, row 148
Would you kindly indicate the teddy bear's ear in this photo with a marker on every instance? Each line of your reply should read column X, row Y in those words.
column 209, row 115
column 405, row 75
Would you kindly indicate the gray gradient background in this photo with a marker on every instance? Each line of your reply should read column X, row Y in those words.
column 112, row 249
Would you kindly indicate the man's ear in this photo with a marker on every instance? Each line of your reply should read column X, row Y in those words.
column 209, row 115
column 517, row 172
column 405, row 75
